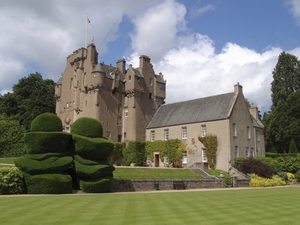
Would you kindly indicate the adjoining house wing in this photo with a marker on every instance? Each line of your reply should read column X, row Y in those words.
column 197, row 110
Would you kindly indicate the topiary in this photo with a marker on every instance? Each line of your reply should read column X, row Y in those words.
column 46, row 122
column 87, row 127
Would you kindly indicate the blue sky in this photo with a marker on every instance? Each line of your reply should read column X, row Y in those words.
column 202, row 47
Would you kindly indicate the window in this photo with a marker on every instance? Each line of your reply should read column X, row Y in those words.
column 252, row 152
column 150, row 96
column 203, row 130
column 150, row 81
column 129, row 78
column 257, row 135
column 124, row 135
column 184, row 132
column 184, row 157
column 247, row 152
column 84, row 78
column 152, row 135
column 234, row 129
column 119, row 109
column 71, row 83
column 236, row 151
column 126, row 112
column 138, row 80
column 108, row 134
column 118, row 121
column 166, row 160
column 204, row 157
column 166, row 132
column 119, row 138
column 248, row 133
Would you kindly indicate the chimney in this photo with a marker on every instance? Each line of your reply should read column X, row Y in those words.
column 121, row 65
column 144, row 61
column 254, row 111
column 238, row 88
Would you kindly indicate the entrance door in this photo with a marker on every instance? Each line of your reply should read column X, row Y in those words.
column 156, row 160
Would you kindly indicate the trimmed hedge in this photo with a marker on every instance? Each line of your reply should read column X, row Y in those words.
column 88, row 161
column 93, row 171
column 87, row 127
column 135, row 152
column 46, row 142
column 95, row 149
column 52, row 164
column 11, row 181
column 100, row 185
column 47, row 122
column 48, row 183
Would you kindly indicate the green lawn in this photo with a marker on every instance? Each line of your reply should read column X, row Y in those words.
column 153, row 173
column 229, row 206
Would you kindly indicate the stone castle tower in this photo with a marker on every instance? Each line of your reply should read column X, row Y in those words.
column 123, row 100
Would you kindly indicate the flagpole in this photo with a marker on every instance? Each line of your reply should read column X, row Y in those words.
column 86, row 29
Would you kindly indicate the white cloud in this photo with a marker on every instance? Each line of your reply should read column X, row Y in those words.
column 156, row 29
column 295, row 9
column 195, row 12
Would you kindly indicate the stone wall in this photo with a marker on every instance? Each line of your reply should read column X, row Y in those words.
column 150, row 185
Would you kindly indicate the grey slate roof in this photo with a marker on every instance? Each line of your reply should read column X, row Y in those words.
column 107, row 69
column 192, row 111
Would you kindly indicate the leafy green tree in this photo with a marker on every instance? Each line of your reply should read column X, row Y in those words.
column 293, row 147
column 11, row 137
column 286, row 76
column 282, row 124
column 31, row 97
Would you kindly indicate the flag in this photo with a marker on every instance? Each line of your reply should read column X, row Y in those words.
column 88, row 20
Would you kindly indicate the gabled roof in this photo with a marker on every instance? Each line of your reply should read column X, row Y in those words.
column 257, row 123
column 192, row 111
column 108, row 69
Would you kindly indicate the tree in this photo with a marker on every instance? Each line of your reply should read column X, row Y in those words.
column 31, row 97
column 11, row 137
column 286, row 76
column 293, row 147
column 282, row 124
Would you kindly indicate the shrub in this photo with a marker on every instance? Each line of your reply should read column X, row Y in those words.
column 293, row 147
column 11, row 181
column 134, row 153
column 51, row 164
column 297, row 175
column 250, row 165
column 93, row 171
column 96, row 149
column 290, row 177
column 87, row 127
column 99, row 185
column 46, row 122
column 257, row 181
column 117, row 153
column 48, row 183
column 282, row 175
column 45, row 142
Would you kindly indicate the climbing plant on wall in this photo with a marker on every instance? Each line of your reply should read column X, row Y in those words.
column 173, row 148
column 210, row 142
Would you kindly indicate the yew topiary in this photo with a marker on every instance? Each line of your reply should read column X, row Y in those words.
column 46, row 122
column 87, row 127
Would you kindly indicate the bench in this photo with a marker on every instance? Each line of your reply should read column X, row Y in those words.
column 178, row 185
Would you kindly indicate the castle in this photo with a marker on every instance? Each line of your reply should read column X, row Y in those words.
column 130, row 105
column 123, row 100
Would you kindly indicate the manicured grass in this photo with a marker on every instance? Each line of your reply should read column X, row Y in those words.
column 229, row 206
column 153, row 173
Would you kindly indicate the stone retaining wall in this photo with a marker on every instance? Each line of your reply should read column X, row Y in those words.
column 148, row 185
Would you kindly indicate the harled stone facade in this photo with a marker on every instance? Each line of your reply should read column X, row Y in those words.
column 123, row 100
